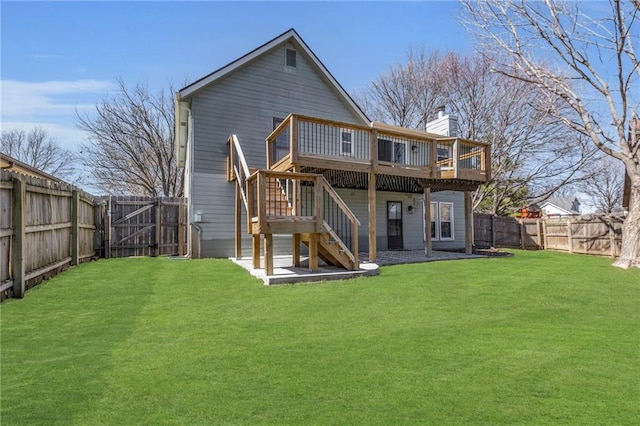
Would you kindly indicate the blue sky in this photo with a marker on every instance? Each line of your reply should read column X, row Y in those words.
column 59, row 57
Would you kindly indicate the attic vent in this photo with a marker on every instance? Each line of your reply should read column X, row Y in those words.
column 290, row 58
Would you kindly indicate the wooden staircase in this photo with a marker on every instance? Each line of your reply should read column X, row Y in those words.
column 273, row 202
column 331, row 249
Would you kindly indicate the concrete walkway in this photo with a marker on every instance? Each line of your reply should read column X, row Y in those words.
column 284, row 272
column 398, row 257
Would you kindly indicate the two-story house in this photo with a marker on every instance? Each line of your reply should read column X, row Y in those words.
column 278, row 157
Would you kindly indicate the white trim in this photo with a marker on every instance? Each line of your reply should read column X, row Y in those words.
column 451, row 220
column 289, row 36
column 342, row 142
column 288, row 49
column 437, row 219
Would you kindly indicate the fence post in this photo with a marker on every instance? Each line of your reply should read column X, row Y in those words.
column 612, row 237
column 181, row 228
column 107, row 230
column 158, row 226
column 17, row 255
column 539, row 229
column 522, row 245
column 75, row 227
column 569, row 236
column 493, row 230
column 545, row 234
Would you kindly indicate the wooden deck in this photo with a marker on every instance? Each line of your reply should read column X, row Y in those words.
column 307, row 157
column 301, row 143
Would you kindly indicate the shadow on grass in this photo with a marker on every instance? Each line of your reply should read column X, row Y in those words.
column 57, row 342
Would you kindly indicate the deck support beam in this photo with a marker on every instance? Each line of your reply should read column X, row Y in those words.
column 296, row 250
column 468, row 223
column 268, row 254
column 372, row 218
column 313, row 251
column 256, row 251
column 426, row 210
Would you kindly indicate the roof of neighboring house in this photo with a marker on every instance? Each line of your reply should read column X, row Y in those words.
column 290, row 36
column 562, row 203
column 14, row 165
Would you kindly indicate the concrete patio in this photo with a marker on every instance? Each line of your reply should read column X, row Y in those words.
column 285, row 273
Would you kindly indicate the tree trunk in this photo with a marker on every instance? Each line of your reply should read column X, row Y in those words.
column 630, row 252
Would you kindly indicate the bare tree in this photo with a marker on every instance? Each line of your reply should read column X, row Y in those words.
column 130, row 146
column 38, row 149
column 533, row 153
column 586, row 57
column 407, row 93
column 513, row 116
column 605, row 188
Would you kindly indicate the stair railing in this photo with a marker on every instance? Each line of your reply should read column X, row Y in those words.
column 237, row 168
column 340, row 222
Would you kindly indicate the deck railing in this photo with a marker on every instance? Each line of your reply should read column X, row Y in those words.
column 286, row 202
column 379, row 148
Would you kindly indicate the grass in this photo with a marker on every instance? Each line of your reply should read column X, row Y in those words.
column 538, row 338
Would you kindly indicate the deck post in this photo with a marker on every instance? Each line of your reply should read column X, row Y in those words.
column 256, row 251
column 372, row 217
column 296, row 250
column 318, row 203
column 468, row 222
column 433, row 159
column 487, row 162
column 456, row 162
column 262, row 203
column 426, row 209
column 293, row 140
column 268, row 254
column 238, row 225
column 313, row 251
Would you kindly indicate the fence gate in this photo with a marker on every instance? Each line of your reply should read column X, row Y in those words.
column 142, row 226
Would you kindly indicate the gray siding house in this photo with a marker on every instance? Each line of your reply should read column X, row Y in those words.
column 279, row 110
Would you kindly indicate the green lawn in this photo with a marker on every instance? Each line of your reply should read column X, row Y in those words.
column 537, row 338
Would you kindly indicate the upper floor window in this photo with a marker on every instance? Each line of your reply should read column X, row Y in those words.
column 291, row 58
column 346, row 141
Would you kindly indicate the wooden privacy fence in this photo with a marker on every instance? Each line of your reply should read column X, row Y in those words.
column 44, row 228
column 140, row 226
column 595, row 235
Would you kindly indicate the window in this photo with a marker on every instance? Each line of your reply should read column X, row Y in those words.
column 391, row 151
column 291, row 57
column 398, row 152
column 446, row 221
column 346, row 141
column 442, row 221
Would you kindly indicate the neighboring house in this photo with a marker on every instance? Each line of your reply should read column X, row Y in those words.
column 323, row 168
column 13, row 165
column 560, row 206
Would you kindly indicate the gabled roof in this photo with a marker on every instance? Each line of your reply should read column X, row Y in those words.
column 288, row 36
column 14, row 165
column 562, row 203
